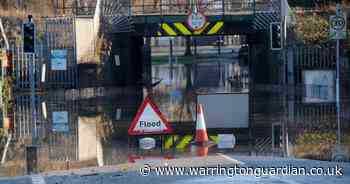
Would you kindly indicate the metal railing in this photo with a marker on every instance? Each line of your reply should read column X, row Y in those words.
column 208, row 7
column 182, row 7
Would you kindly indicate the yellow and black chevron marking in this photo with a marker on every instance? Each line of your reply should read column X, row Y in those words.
column 181, row 29
column 181, row 142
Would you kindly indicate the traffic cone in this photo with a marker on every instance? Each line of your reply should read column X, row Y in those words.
column 201, row 130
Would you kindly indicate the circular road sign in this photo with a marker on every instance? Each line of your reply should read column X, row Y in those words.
column 196, row 20
column 338, row 23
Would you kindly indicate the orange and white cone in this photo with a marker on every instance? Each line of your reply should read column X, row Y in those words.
column 201, row 130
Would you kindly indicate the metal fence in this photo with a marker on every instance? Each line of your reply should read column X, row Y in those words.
column 52, row 34
column 314, row 84
column 166, row 7
column 25, row 125
column 21, row 66
column 177, row 7
column 29, row 128
column 306, row 102
column 310, row 58
column 60, row 34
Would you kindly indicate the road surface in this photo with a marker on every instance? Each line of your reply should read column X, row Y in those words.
column 130, row 173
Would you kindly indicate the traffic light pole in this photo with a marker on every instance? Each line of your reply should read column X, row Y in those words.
column 32, row 92
column 29, row 49
column 288, row 111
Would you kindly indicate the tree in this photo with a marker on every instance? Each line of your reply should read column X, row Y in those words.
column 312, row 29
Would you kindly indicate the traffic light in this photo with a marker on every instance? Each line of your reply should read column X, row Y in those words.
column 28, row 37
column 276, row 36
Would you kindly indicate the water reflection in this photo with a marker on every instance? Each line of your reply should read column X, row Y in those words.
column 181, row 82
column 88, row 127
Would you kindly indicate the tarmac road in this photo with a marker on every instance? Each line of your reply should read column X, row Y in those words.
column 130, row 173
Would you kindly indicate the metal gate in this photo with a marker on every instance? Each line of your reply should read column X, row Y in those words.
column 60, row 34
column 52, row 34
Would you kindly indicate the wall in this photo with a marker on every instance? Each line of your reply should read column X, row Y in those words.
column 84, row 39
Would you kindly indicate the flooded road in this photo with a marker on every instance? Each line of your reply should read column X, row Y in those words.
column 88, row 127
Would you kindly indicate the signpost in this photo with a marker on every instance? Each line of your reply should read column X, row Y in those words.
column 59, row 59
column 337, row 27
column 60, row 121
column 149, row 120
column 338, row 32
column 196, row 20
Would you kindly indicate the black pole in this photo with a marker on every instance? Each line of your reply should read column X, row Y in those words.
column 188, row 46
column 195, row 46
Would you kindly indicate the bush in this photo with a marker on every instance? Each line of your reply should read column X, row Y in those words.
column 7, row 93
column 312, row 29
column 318, row 145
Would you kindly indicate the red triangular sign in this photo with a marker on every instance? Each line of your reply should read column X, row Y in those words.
column 149, row 120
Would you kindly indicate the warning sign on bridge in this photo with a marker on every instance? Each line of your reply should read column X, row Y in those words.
column 149, row 120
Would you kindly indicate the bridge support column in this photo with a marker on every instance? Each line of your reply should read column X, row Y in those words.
column 147, row 65
column 129, row 49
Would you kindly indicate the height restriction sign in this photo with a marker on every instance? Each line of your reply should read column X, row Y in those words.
column 196, row 20
column 337, row 27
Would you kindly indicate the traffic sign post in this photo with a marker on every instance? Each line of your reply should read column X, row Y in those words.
column 28, row 36
column 149, row 120
column 338, row 32
column 337, row 27
column 196, row 20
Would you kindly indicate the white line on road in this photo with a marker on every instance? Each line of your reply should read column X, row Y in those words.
column 231, row 159
column 37, row 179
column 286, row 180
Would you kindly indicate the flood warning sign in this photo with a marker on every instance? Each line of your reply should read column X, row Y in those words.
column 149, row 120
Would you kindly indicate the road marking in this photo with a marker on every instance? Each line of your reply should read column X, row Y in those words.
column 280, row 178
column 231, row 159
column 37, row 179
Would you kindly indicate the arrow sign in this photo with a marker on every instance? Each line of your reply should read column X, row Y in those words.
column 149, row 120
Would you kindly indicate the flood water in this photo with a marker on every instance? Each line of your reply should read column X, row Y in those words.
column 88, row 127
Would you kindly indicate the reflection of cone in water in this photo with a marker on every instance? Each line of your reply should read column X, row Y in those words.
column 201, row 130
column 202, row 151
column 199, row 151
column 132, row 158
